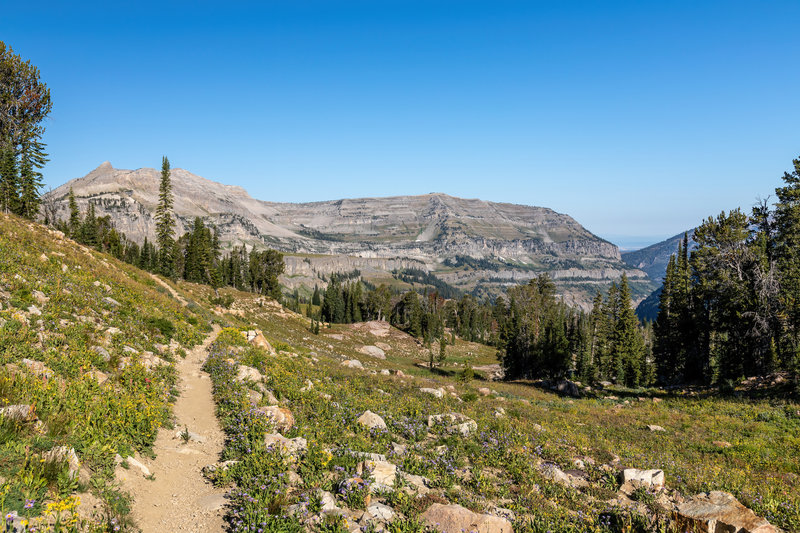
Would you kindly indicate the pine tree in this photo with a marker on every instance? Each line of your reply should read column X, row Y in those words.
column 787, row 252
column 75, row 216
column 32, row 160
column 629, row 341
column 9, row 181
column 88, row 231
column 165, row 231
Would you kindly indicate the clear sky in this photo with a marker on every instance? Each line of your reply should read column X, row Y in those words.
column 639, row 118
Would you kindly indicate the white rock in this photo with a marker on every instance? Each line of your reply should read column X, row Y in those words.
column 438, row 393
column 371, row 420
column 647, row 478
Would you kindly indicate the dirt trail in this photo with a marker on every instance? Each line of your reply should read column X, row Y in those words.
column 180, row 499
column 172, row 291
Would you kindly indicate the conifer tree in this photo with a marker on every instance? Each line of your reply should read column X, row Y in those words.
column 75, row 216
column 165, row 230
column 9, row 181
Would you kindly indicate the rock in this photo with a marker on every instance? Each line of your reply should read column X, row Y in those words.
column 281, row 418
column 19, row 413
column 245, row 372
column 379, row 511
column 419, row 483
column 386, row 372
column 371, row 420
column 373, row 351
column 43, row 258
column 456, row 423
column 328, row 502
column 61, row 454
column 135, row 463
column 190, row 436
column 383, row 346
column 129, row 349
column 483, row 391
column 254, row 397
column 291, row 446
column 352, row 363
column 438, row 393
column 98, row 376
column 719, row 512
column 33, row 310
column 554, row 473
column 654, row 428
column 113, row 331
column 568, row 387
column 259, row 341
column 308, row 386
column 150, row 360
column 37, row 368
column 218, row 467
column 383, row 472
column 212, row 502
column 102, row 352
column 111, row 301
column 721, row 443
column 643, row 478
column 454, row 518
column 40, row 297
column 499, row 412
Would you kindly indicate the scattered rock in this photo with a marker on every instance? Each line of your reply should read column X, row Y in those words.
column 37, row 368
column 328, row 502
column 719, row 512
column 257, row 339
column 373, row 351
column 98, row 376
column 456, row 423
column 483, row 391
column 135, row 463
column 454, row 518
column 189, row 436
column 254, row 397
column 352, row 363
column 721, row 443
column 655, row 428
column 371, row 420
column 33, row 310
column 40, row 297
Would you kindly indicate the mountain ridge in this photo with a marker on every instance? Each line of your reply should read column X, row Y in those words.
column 514, row 242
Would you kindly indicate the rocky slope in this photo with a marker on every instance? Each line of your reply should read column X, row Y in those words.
column 436, row 232
column 653, row 259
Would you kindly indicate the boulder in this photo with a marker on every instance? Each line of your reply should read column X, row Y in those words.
column 40, row 297
column 63, row 454
column 438, row 393
column 655, row 428
column 371, row 420
column 454, row 518
column 291, row 446
column 37, row 368
column 379, row 511
column 111, row 301
column 281, row 418
column 570, row 388
column 19, row 413
column 554, row 473
column 383, row 472
column 352, row 363
column 721, row 443
column 484, row 391
column 245, row 372
column 643, row 478
column 254, row 397
column 719, row 512
column 102, row 352
column 373, row 351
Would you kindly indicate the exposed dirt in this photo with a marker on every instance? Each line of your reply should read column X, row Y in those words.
column 172, row 291
column 180, row 499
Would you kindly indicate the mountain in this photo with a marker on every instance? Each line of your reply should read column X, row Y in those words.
column 653, row 259
column 470, row 244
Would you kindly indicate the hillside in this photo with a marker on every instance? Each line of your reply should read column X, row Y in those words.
column 473, row 245
column 339, row 431
column 653, row 259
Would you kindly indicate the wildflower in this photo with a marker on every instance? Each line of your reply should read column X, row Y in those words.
column 29, row 504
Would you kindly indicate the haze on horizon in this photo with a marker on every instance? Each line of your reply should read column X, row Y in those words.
column 637, row 119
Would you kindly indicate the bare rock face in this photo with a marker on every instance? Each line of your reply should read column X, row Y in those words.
column 719, row 512
column 454, row 518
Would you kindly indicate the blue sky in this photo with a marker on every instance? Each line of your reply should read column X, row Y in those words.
column 637, row 118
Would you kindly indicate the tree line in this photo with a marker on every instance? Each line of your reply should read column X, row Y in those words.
column 731, row 308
